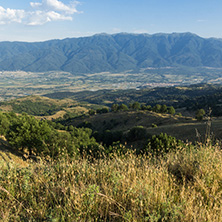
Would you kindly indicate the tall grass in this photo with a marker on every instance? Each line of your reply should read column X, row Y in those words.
column 184, row 186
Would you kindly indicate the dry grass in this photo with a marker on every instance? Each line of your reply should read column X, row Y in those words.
column 185, row 186
column 7, row 157
column 77, row 109
column 128, row 119
column 6, row 108
column 57, row 115
column 58, row 102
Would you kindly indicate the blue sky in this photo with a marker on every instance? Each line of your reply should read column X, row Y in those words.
column 39, row 20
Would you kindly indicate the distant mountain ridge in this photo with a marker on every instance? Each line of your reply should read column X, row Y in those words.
column 112, row 53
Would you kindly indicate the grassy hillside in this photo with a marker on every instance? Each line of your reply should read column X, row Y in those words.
column 183, row 186
column 184, row 128
column 187, row 98
column 45, row 107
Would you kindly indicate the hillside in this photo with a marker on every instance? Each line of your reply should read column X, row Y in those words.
column 8, row 156
column 44, row 107
column 135, row 127
column 112, row 53
column 190, row 98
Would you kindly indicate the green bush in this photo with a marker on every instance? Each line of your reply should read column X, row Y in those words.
column 136, row 133
column 162, row 144
column 154, row 125
column 200, row 114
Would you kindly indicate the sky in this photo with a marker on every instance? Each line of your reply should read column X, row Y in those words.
column 40, row 20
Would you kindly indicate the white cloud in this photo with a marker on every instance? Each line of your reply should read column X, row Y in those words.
column 11, row 15
column 55, row 5
column 41, row 13
column 42, row 17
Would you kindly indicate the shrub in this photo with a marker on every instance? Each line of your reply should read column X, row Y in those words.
column 171, row 110
column 162, row 144
column 92, row 112
column 200, row 114
column 123, row 107
column 154, row 125
column 136, row 133
column 136, row 106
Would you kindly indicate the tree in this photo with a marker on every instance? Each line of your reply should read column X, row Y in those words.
column 28, row 132
column 136, row 133
column 161, row 144
column 157, row 108
column 148, row 107
column 92, row 112
column 163, row 109
column 103, row 110
column 200, row 114
column 123, row 107
column 136, row 106
column 114, row 107
column 171, row 110
column 4, row 124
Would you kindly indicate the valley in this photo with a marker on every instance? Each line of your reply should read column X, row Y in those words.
column 15, row 84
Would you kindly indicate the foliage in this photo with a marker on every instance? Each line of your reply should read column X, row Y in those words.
column 136, row 133
column 35, row 108
column 171, row 110
column 200, row 114
column 136, row 106
column 102, row 110
column 123, row 107
column 108, row 137
column 92, row 112
column 26, row 133
column 154, row 125
column 157, row 108
column 162, row 144
column 4, row 124
column 163, row 109
column 114, row 107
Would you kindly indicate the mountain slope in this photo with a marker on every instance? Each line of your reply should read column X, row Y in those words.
column 112, row 53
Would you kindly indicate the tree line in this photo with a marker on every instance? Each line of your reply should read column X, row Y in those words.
column 34, row 137
column 135, row 106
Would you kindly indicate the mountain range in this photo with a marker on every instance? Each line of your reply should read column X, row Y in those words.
column 112, row 53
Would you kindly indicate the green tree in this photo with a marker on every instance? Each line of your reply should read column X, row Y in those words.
column 103, row 110
column 161, row 144
column 144, row 107
column 123, row 107
column 4, row 124
column 28, row 132
column 136, row 106
column 157, row 108
column 163, row 109
column 200, row 114
column 136, row 133
column 92, row 112
column 171, row 110
column 114, row 107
